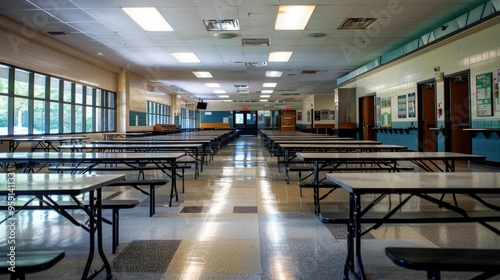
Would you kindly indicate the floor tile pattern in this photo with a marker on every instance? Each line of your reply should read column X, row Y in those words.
column 240, row 220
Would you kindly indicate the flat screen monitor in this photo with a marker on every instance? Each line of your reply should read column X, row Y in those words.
column 201, row 106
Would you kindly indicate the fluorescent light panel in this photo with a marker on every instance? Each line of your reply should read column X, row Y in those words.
column 293, row 17
column 279, row 56
column 217, row 91
column 212, row 85
column 148, row 18
column 265, row 96
column 186, row 57
column 274, row 74
column 263, row 100
column 269, row 84
column 202, row 74
column 267, row 91
column 223, row 96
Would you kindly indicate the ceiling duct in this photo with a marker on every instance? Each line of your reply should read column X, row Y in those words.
column 256, row 42
column 308, row 72
column 255, row 64
column 56, row 33
column 357, row 23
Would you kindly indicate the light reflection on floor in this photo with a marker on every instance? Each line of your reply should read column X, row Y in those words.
column 240, row 220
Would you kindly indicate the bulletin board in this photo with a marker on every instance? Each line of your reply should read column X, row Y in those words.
column 136, row 118
column 484, row 95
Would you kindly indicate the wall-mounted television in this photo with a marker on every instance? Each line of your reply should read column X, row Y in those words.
column 201, row 106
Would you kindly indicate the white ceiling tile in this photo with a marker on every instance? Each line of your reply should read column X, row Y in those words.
column 101, row 25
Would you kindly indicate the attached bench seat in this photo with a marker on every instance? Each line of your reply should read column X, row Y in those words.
column 405, row 217
column 435, row 260
column 341, row 169
column 136, row 184
column 114, row 204
column 29, row 262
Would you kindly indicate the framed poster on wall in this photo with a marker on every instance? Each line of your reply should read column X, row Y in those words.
column 378, row 111
column 484, row 96
column 411, row 105
column 385, row 112
column 402, row 106
column 495, row 91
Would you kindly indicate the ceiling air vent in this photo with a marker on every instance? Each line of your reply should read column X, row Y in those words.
column 256, row 64
column 357, row 23
column 309, row 71
column 222, row 24
column 56, row 33
column 256, row 41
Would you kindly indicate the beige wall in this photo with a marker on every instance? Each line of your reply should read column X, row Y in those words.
column 36, row 51
column 479, row 52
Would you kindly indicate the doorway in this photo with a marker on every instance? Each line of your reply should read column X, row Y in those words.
column 246, row 122
column 457, row 113
column 367, row 117
column 427, row 139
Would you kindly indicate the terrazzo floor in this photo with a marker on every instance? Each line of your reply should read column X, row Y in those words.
column 239, row 220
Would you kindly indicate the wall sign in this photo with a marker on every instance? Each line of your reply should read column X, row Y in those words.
column 484, row 97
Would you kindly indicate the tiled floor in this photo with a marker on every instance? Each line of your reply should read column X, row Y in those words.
column 239, row 220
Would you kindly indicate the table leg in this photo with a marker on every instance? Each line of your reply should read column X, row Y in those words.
column 173, row 186
column 95, row 208
column 354, row 263
column 317, row 209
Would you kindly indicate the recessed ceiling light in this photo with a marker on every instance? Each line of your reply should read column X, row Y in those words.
column 263, row 100
column 217, row 91
column 274, row 74
column 186, row 57
column 267, row 91
column 269, row 84
column 148, row 18
column 223, row 96
column 293, row 17
column 202, row 74
column 265, row 96
column 212, row 85
column 279, row 56
column 227, row 100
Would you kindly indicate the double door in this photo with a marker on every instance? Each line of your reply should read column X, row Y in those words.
column 246, row 122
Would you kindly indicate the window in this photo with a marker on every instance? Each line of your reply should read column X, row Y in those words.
column 157, row 113
column 35, row 103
